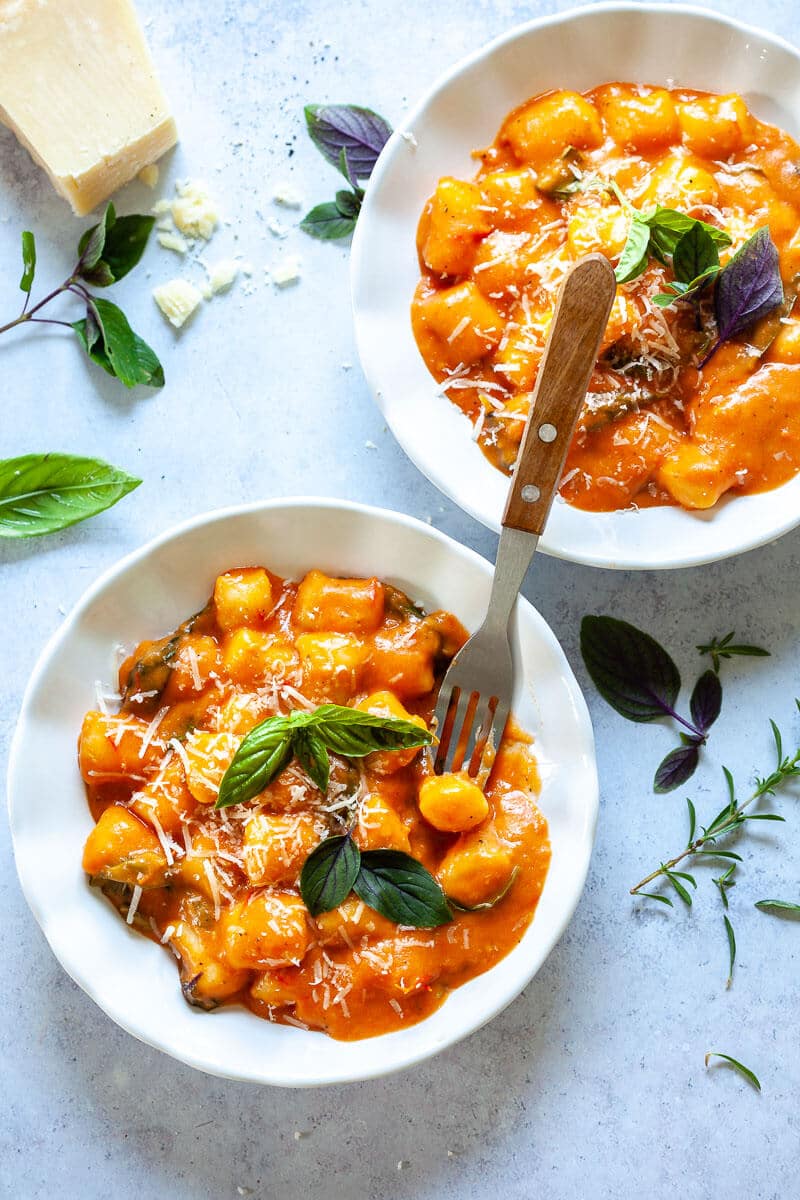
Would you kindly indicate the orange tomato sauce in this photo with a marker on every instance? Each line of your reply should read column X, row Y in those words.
column 655, row 429
column 220, row 888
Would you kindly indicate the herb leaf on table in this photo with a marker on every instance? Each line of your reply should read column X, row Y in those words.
column 106, row 253
column 351, row 139
column 44, row 493
column 725, row 647
column 639, row 679
column 737, row 1066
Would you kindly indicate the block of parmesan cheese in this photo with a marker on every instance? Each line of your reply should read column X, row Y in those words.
column 78, row 87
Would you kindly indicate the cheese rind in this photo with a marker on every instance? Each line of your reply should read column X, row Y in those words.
column 78, row 88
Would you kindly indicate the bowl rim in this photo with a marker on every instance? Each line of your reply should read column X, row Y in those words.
column 467, row 499
column 583, row 845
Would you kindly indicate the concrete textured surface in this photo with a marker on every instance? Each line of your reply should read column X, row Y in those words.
column 592, row 1083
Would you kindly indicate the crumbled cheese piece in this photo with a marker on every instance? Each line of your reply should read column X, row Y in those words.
column 173, row 241
column 408, row 136
column 149, row 175
column 194, row 212
column 222, row 275
column 287, row 196
column 161, row 207
column 370, row 445
column 277, row 230
column 177, row 300
column 286, row 272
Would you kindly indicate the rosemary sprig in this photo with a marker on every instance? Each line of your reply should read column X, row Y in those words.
column 744, row 1071
column 729, row 820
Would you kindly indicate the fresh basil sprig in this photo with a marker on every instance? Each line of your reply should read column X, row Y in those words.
column 271, row 745
column 695, row 263
column 351, row 139
column 657, row 234
column 43, row 493
column 639, row 679
column 106, row 253
column 392, row 883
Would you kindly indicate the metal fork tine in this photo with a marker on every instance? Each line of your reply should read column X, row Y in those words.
column 446, row 697
column 480, row 728
column 447, row 750
column 498, row 726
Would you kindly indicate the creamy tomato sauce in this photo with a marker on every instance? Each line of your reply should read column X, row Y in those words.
column 220, row 888
column 656, row 428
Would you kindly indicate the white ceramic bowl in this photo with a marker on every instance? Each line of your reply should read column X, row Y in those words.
column 147, row 594
column 657, row 44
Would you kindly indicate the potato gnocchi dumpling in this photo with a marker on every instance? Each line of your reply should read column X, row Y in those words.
column 660, row 426
column 220, row 888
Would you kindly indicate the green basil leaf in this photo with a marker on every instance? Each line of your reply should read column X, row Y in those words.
column 737, row 1066
column 113, row 248
column 353, row 733
column 261, row 757
column 400, row 889
column 630, row 670
column 348, row 204
column 667, row 226
column 28, row 261
column 125, row 243
column 633, row 259
column 120, row 351
column 695, row 253
column 313, row 757
column 90, row 247
column 42, row 493
column 327, row 223
column 329, row 873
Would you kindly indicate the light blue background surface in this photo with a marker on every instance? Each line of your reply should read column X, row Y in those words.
column 592, row 1083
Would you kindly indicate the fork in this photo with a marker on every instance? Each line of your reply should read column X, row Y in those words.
column 475, row 695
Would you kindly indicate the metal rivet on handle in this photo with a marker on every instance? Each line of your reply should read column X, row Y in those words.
column 530, row 493
column 548, row 433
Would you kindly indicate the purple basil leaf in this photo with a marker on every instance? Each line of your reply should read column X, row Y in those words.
column 748, row 287
column 676, row 768
column 706, row 701
column 629, row 669
column 359, row 131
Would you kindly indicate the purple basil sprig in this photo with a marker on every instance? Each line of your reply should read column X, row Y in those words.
column 361, row 132
column 351, row 139
column 638, row 678
column 748, row 287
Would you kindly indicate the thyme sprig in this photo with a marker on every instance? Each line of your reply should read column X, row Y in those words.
column 729, row 820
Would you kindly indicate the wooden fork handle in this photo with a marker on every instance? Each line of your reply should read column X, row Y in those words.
column 578, row 324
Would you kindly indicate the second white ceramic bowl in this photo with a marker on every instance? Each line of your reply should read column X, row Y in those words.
column 149, row 593
column 658, row 44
